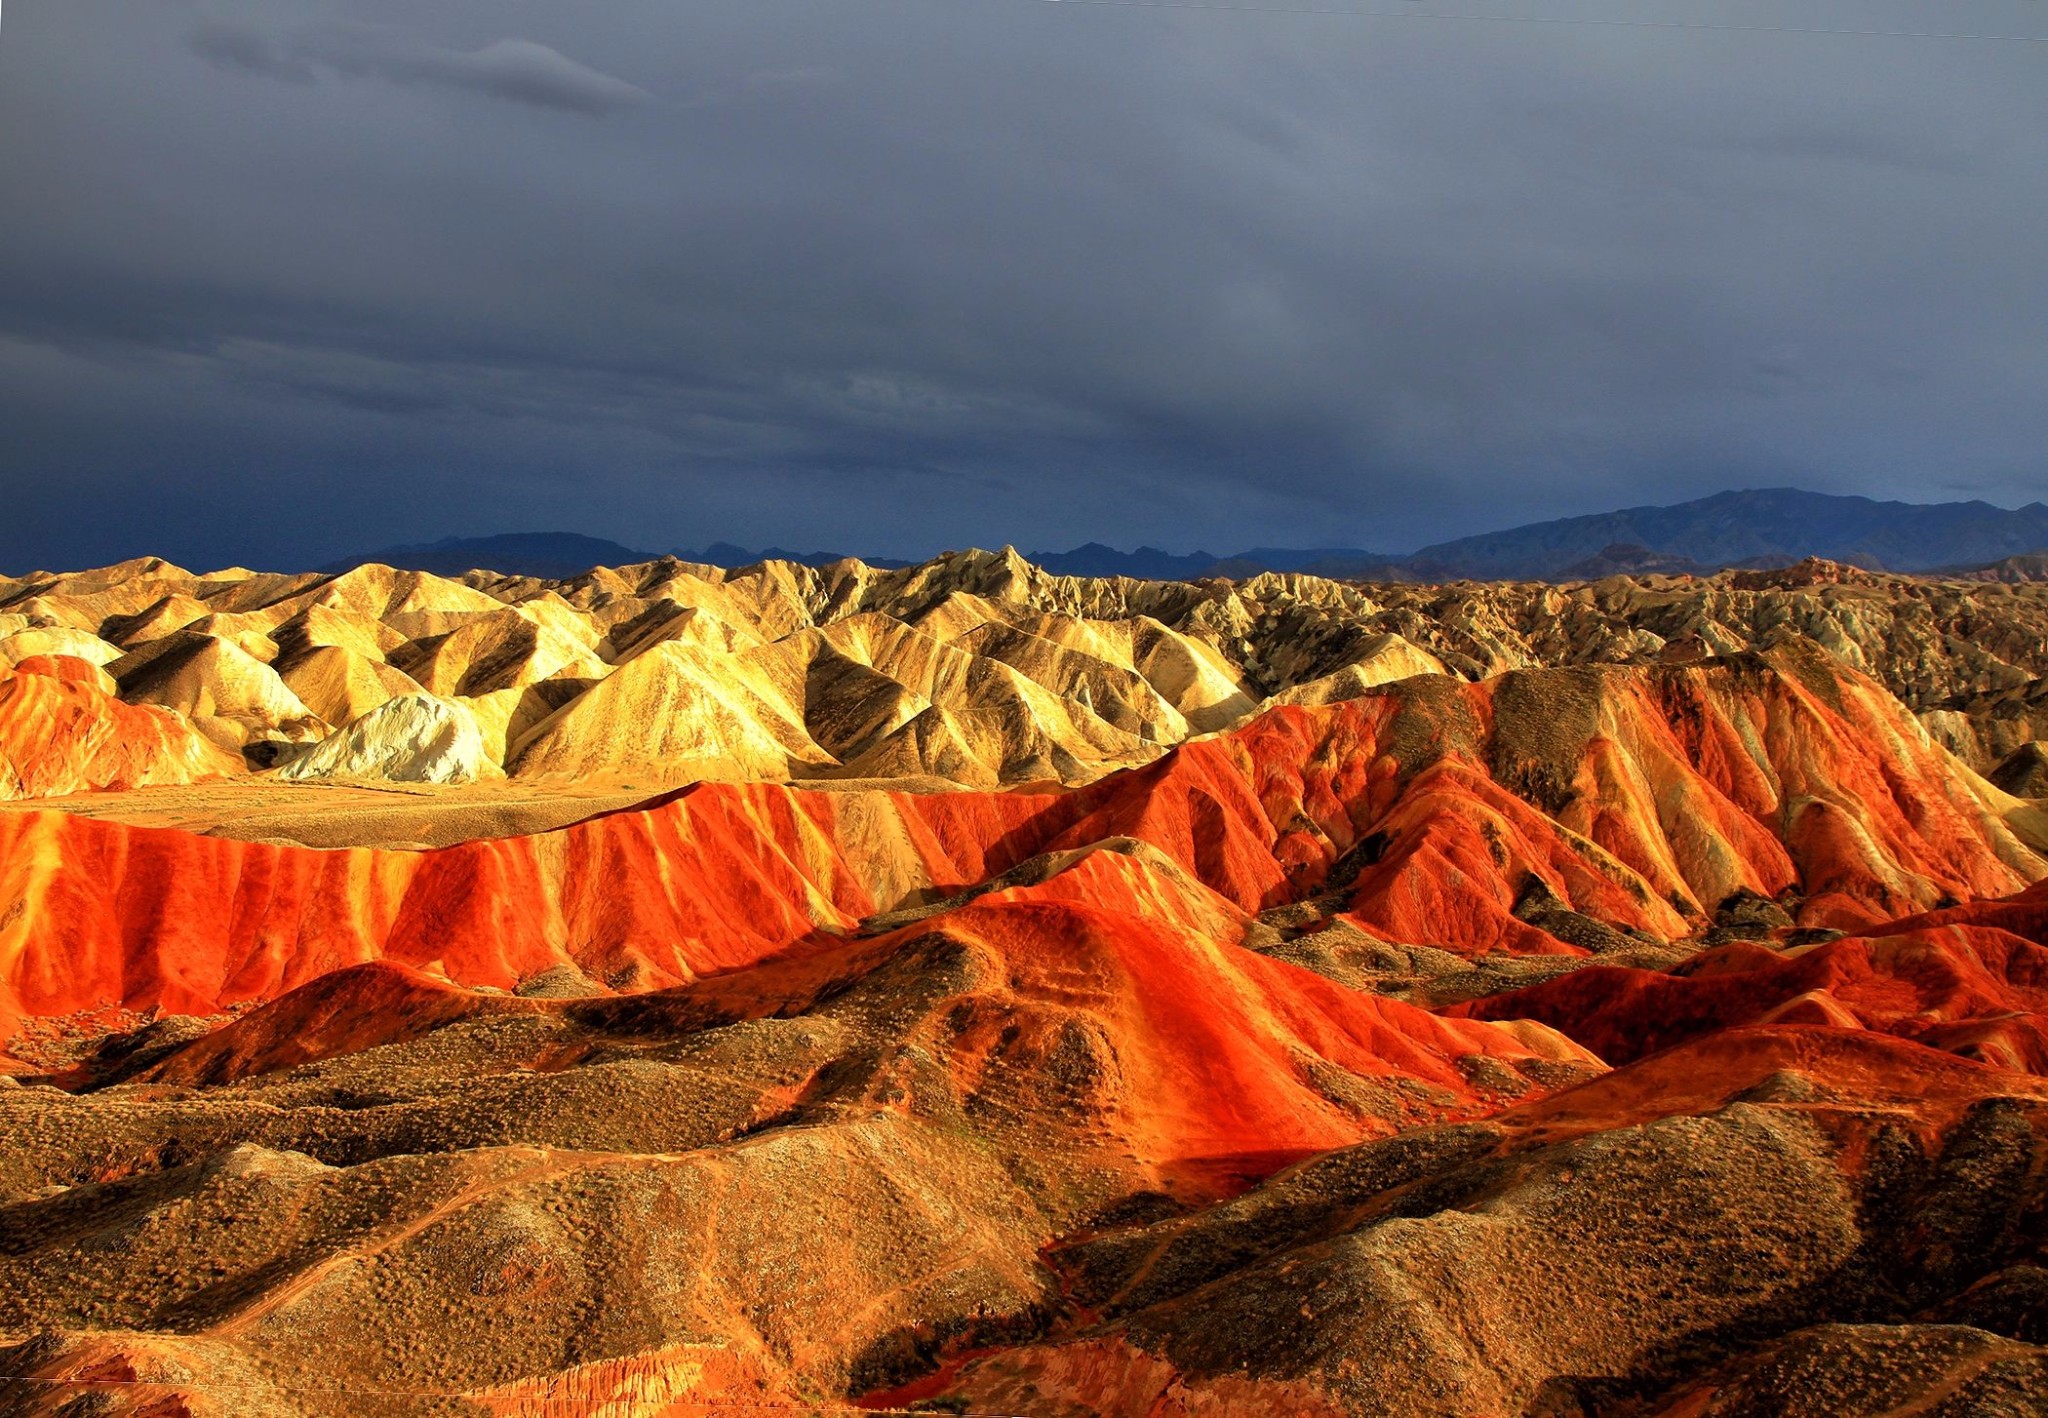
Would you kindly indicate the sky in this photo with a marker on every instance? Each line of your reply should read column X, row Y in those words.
column 284, row 280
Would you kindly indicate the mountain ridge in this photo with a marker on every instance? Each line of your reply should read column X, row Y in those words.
column 1747, row 529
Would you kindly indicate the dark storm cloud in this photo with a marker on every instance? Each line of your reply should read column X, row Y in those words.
column 514, row 69
column 894, row 274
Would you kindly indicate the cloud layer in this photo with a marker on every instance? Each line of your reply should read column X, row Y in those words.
column 899, row 274
column 516, row 70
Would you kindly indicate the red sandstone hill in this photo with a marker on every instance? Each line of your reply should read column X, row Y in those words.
column 63, row 731
column 1972, row 979
column 1640, row 799
column 1096, row 992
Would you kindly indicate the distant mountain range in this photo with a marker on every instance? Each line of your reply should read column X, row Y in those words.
column 1762, row 527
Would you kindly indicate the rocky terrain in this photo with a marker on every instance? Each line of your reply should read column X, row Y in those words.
column 977, row 669
column 966, row 989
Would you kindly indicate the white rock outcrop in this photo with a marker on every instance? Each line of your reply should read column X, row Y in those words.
column 413, row 738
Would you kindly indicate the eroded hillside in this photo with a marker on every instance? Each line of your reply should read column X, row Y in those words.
column 965, row 989
column 975, row 669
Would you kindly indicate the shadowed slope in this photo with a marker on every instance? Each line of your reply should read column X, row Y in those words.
column 1581, row 1254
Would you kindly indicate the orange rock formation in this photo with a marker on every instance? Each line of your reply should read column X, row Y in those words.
column 969, row 988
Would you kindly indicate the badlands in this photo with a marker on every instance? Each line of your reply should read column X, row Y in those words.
column 966, row 989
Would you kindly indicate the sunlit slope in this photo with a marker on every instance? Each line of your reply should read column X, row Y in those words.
column 1429, row 812
column 976, row 668
column 61, row 731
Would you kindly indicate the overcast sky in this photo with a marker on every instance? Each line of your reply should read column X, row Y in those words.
column 285, row 279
